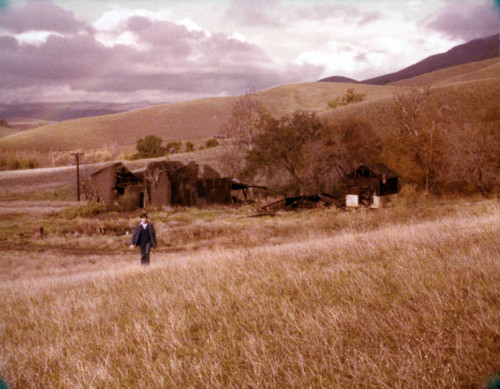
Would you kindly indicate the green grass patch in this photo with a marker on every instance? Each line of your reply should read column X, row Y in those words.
column 90, row 209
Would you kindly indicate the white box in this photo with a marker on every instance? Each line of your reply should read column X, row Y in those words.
column 351, row 200
column 376, row 202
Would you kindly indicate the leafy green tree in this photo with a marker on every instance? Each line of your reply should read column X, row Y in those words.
column 150, row 147
column 278, row 148
column 300, row 151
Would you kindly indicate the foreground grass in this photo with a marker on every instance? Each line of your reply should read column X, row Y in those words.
column 410, row 303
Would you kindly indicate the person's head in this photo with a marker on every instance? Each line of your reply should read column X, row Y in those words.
column 144, row 217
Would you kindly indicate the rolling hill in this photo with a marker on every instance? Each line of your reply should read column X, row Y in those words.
column 487, row 69
column 56, row 112
column 191, row 120
column 473, row 51
column 205, row 118
column 26, row 123
column 339, row 79
column 4, row 131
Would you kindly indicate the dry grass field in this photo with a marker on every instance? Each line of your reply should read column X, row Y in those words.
column 403, row 297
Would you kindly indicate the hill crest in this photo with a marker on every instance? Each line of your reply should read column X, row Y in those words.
column 473, row 51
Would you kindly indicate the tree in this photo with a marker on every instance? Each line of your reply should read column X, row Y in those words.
column 416, row 145
column 363, row 145
column 150, row 147
column 474, row 157
column 278, row 148
column 241, row 129
column 245, row 120
column 300, row 151
column 326, row 161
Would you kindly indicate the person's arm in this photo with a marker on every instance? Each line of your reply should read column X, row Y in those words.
column 153, row 235
column 133, row 241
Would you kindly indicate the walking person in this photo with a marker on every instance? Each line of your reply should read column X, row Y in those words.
column 144, row 236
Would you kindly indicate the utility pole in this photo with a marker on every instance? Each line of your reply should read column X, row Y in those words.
column 77, row 157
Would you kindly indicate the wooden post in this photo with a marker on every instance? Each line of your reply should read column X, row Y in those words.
column 77, row 156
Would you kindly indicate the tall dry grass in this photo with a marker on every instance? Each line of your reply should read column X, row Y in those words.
column 408, row 303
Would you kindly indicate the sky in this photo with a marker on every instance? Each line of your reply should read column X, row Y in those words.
column 170, row 50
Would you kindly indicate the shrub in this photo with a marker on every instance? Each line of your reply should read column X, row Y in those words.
column 13, row 163
column 348, row 98
column 408, row 196
column 127, row 203
column 189, row 146
column 173, row 147
column 211, row 143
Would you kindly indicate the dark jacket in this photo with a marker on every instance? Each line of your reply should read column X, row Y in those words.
column 137, row 233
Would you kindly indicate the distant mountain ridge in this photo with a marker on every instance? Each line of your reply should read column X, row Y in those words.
column 56, row 112
column 473, row 51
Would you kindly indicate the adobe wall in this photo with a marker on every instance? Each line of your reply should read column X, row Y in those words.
column 104, row 184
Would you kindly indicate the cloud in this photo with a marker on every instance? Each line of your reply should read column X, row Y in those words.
column 41, row 16
column 465, row 20
column 322, row 12
column 162, row 53
column 255, row 13
column 162, row 59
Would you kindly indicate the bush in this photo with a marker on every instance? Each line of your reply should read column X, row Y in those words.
column 189, row 146
column 12, row 163
column 408, row 196
column 127, row 203
column 211, row 143
column 348, row 98
column 173, row 147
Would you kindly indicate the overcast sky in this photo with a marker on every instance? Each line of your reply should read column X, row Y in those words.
column 171, row 50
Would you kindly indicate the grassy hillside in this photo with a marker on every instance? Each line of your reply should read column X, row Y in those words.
column 404, row 297
column 473, row 51
column 473, row 97
column 4, row 131
column 187, row 120
column 469, row 72
column 287, row 99
column 27, row 123
column 172, row 122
